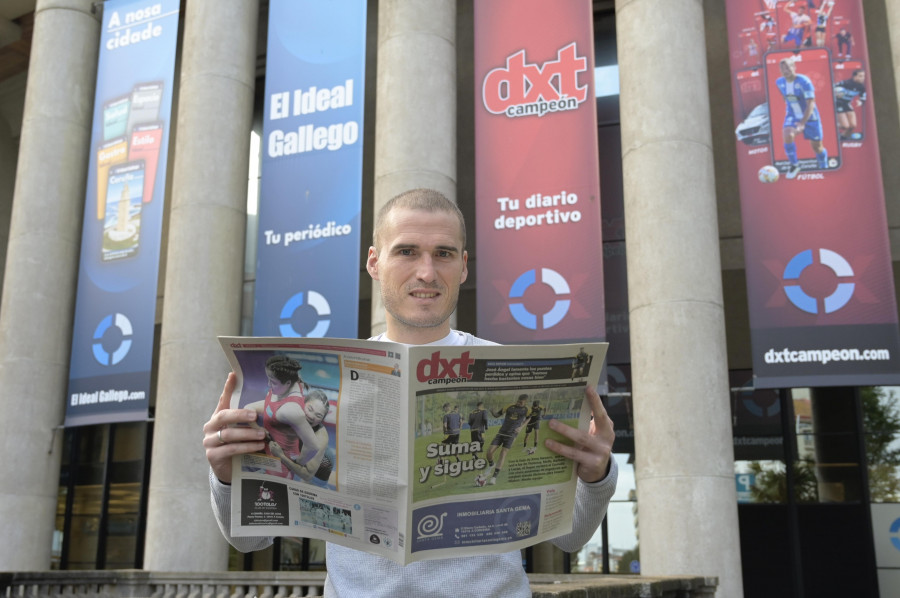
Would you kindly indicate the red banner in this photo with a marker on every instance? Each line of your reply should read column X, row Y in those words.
column 817, row 257
column 540, row 258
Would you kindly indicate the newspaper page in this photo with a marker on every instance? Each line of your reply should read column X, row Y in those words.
column 408, row 452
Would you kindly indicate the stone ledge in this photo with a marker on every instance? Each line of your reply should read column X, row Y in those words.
column 544, row 585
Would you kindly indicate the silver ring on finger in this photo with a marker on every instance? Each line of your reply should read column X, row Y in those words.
column 219, row 436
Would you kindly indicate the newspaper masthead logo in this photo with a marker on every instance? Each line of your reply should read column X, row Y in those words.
column 436, row 370
column 523, row 89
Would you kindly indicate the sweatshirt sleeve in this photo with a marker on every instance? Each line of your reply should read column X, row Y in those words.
column 220, row 497
column 591, row 502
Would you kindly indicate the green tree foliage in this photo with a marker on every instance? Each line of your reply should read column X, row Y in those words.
column 881, row 424
column 625, row 562
column 771, row 484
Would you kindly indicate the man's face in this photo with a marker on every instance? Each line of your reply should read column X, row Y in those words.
column 788, row 69
column 860, row 77
column 420, row 265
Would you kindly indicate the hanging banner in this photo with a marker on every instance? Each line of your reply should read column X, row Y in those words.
column 307, row 274
column 817, row 256
column 540, row 256
column 115, row 309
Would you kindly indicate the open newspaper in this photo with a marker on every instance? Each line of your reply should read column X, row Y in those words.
column 386, row 447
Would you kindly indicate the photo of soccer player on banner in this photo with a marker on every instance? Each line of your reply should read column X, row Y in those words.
column 849, row 97
column 801, row 101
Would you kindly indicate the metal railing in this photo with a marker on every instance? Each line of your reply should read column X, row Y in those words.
column 149, row 584
column 297, row 584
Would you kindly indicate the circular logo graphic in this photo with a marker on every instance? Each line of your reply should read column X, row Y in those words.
column 895, row 527
column 315, row 301
column 122, row 327
column 832, row 302
column 560, row 308
column 762, row 404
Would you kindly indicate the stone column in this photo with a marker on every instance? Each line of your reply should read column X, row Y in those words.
column 41, row 267
column 882, row 21
column 893, row 25
column 203, row 282
column 415, row 115
column 683, row 445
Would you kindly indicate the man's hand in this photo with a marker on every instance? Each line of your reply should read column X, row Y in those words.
column 593, row 447
column 223, row 437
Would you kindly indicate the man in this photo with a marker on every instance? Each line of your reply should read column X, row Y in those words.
column 801, row 114
column 845, row 43
column 477, row 427
column 514, row 418
column 419, row 258
column 845, row 93
column 452, row 423
column 579, row 363
column 800, row 25
column 533, row 424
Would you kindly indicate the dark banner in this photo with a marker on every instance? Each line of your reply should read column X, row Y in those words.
column 540, row 256
column 115, row 310
column 307, row 275
column 817, row 257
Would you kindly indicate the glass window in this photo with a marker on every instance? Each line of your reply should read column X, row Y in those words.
column 98, row 515
column 827, row 466
column 126, row 483
column 881, row 427
column 606, row 67
column 85, row 471
column 755, row 413
column 624, row 554
column 621, row 528
column 761, row 481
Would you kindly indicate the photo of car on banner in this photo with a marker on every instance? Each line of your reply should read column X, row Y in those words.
column 755, row 129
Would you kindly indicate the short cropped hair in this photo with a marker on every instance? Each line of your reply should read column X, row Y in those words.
column 428, row 200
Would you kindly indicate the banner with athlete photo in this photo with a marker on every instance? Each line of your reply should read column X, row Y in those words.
column 820, row 284
column 115, row 309
column 307, row 274
column 540, row 256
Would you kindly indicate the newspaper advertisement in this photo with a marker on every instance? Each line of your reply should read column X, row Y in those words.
column 408, row 452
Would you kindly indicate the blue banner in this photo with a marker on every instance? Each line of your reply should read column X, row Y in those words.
column 115, row 309
column 307, row 275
